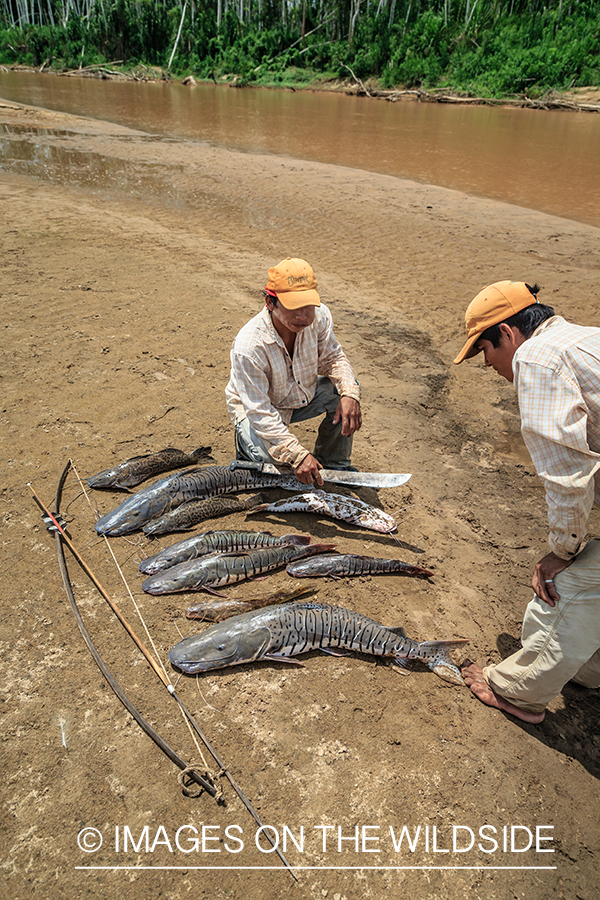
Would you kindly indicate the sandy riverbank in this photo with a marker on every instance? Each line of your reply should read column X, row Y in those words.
column 120, row 299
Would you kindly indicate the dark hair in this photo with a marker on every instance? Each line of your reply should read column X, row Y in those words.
column 527, row 320
column 274, row 300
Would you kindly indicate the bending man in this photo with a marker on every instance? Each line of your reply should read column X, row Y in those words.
column 287, row 366
column 555, row 367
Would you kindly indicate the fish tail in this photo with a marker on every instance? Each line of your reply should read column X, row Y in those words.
column 296, row 539
column 436, row 655
column 260, row 508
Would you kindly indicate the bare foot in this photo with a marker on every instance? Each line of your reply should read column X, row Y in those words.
column 473, row 676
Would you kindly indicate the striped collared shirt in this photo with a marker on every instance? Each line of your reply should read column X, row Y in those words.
column 266, row 385
column 557, row 377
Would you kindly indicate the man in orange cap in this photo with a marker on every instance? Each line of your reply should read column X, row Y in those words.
column 555, row 367
column 287, row 366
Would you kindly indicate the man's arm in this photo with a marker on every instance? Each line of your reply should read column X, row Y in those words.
column 554, row 427
column 252, row 386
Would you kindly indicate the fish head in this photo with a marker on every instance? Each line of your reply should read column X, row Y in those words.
column 448, row 672
column 220, row 646
column 185, row 576
column 103, row 479
column 131, row 515
column 161, row 525
column 378, row 520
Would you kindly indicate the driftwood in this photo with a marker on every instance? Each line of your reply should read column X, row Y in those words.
column 438, row 97
column 103, row 71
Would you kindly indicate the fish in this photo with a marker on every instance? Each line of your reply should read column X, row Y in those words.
column 133, row 471
column 219, row 569
column 282, row 631
column 340, row 565
column 213, row 610
column 180, row 487
column 349, row 509
column 189, row 514
column 215, row 542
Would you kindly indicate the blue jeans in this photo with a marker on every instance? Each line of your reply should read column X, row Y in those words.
column 332, row 448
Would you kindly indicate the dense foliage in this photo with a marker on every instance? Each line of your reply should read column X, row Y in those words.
column 488, row 47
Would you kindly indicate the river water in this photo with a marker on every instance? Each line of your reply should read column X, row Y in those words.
column 543, row 160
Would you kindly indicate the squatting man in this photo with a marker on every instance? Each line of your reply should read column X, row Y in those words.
column 555, row 368
column 287, row 366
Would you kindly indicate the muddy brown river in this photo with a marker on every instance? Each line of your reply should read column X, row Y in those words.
column 542, row 160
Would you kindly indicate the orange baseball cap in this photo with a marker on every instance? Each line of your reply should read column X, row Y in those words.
column 294, row 284
column 493, row 305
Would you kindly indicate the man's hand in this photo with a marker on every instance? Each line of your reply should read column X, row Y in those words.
column 543, row 577
column 308, row 470
column 349, row 412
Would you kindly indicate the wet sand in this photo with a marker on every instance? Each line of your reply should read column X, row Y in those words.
column 119, row 308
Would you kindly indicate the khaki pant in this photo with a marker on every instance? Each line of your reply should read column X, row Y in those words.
column 559, row 643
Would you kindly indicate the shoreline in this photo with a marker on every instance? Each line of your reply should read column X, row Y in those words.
column 563, row 100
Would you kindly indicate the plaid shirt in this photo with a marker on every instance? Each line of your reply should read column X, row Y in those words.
column 266, row 385
column 557, row 377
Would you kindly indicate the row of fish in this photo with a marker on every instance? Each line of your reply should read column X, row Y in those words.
column 288, row 626
column 180, row 500
column 214, row 559
column 179, row 488
column 220, row 569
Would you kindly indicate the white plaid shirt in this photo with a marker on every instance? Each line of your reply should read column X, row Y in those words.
column 267, row 386
column 557, row 377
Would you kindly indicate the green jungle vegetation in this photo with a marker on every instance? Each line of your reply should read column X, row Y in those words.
column 489, row 48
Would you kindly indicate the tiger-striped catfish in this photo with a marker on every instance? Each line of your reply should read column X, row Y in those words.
column 341, row 565
column 216, row 542
column 220, row 569
column 279, row 632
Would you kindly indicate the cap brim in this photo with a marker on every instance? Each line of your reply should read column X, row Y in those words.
column 469, row 350
column 297, row 299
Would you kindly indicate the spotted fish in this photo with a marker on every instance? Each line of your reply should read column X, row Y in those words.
column 133, row 471
column 338, row 506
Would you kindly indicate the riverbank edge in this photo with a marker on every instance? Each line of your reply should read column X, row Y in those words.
column 567, row 100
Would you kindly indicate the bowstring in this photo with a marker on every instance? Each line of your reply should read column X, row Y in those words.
column 141, row 617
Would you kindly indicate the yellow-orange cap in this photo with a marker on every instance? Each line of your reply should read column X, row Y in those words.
column 492, row 305
column 294, row 284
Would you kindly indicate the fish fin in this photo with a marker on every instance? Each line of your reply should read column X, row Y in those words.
column 443, row 645
column 332, row 652
column 201, row 453
column 283, row 659
column 401, row 630
column 210, row 590
column 399, row 665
